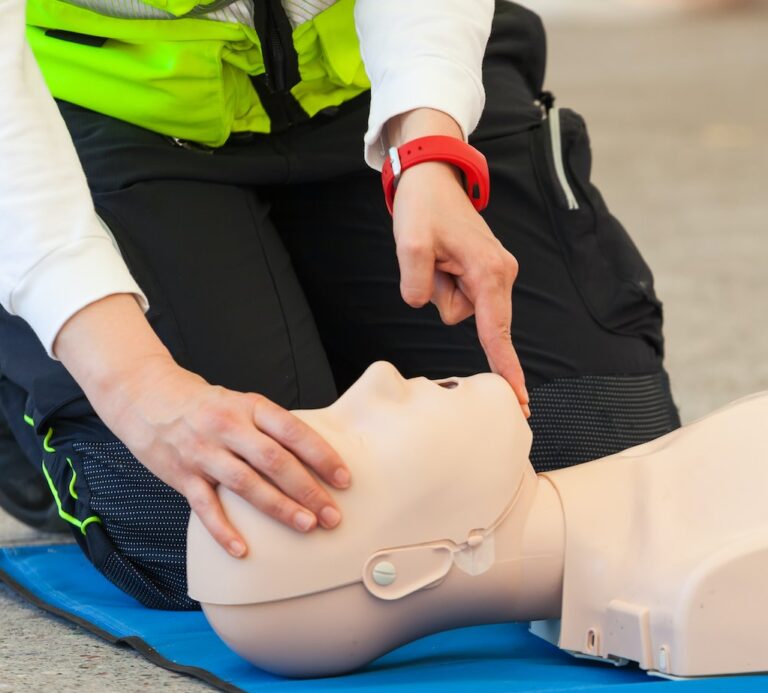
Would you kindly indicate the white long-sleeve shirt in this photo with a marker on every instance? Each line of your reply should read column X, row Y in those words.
column 55, row 256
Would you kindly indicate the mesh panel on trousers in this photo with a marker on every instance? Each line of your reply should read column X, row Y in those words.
column 576, row 420
column 141, row 587
column 145, row 519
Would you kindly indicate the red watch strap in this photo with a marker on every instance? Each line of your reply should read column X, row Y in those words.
column 438, row 148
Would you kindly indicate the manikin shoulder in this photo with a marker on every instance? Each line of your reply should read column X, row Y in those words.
column 665, row 541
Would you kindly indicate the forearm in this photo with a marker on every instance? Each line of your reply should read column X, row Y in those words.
column 113, row 353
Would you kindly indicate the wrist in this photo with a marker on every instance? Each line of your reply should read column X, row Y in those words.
column 110, row 349
column 433, row 173
column 117, row 393
column 420, row 122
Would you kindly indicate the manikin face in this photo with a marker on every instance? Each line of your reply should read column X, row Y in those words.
column 385, row 420
column 429, row 461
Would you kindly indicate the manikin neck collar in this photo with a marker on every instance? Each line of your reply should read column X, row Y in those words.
column 395, row 573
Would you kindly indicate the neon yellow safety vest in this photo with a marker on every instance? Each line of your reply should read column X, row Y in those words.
column 193, row 77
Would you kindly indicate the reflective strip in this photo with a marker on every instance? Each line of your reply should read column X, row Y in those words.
column 72, row 481
column 557, row 155
column 63, row 514
column 231, row 11
column 300, row 11
column 47, row 440
column 124, row 9
column 89, row 520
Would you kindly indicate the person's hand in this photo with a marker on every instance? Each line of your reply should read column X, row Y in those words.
column 448, row 255
column 195, row 436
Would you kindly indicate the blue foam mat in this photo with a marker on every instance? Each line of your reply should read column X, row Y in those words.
column 483, row 659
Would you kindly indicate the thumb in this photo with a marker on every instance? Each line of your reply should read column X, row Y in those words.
column 417, row 270
column 451, row 302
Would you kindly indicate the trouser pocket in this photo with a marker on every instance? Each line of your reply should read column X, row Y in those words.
column 611, row 276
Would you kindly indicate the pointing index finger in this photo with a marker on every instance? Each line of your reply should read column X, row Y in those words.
column 493, row 315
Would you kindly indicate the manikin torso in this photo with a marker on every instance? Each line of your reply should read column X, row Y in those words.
column 447, row 525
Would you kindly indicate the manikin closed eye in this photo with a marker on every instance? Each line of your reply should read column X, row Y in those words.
column 657, row 555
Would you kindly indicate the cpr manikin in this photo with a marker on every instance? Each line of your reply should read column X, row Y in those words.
column 657, row 555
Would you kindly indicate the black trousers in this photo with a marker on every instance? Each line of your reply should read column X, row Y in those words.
column 270, row 267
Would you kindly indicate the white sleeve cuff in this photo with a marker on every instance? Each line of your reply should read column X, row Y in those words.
column 432, row 83
column 423, row 54
column 67, row 280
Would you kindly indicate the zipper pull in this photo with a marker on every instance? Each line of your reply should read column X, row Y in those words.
column 545, row 102
column 190, row 146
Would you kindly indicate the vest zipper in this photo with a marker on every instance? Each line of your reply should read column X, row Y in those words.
column 277, row 53
column 281, row 66
column 276, row 75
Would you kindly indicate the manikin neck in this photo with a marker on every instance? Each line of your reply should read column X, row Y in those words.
column 530, row 554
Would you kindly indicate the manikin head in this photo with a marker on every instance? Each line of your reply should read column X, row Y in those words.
column 435, row 467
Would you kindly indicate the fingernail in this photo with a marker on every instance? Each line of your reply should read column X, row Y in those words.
column 341, row 477
column 330, row 516
column 527, row 411
column 526, row 396
column 236, row 548
column 303, row 521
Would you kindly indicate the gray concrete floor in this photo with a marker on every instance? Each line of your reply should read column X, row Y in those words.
column 678, row 113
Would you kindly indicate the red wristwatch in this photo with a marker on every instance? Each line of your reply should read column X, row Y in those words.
column 438, row 148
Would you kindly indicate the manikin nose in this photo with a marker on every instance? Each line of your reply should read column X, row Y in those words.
column 385, row 381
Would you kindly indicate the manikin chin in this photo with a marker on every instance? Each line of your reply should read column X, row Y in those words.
column 657, row 555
